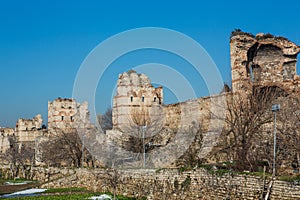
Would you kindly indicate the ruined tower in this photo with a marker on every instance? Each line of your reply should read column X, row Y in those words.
column 134, row 90
column 67, row 113
column 263, row 60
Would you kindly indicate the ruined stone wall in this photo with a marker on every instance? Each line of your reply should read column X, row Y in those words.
column 67, row 113
column 4, row 142
column 29, row 124
column 28, row 130
column 262, row 60
column 185, row 113
column 169, row 183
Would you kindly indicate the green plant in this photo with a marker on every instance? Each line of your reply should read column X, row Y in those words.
column 260, row 174
column 289, row 178
column 186, row 183
column 183, row 169
column 207, row 167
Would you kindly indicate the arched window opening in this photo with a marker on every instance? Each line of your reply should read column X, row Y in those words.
column 143, row 98
column 131, row 99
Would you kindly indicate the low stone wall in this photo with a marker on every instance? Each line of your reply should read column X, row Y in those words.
column 168, row 183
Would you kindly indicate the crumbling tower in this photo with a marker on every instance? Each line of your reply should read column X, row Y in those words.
column 133, row 91
column 65, row 113
column 263, row 60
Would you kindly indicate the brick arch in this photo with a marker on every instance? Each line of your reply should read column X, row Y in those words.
column 267, row 53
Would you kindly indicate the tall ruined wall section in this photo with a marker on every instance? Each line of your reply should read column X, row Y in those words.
column 67, row 113
column 29, row 124
column 207, row 114
column 5, row 133
column 262, row 60
column 27, row 130
column 134, row 92
column 185, row 113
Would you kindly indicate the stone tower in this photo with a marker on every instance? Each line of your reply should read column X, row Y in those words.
column 134, row 90
column 262, row 60
column 67, row 113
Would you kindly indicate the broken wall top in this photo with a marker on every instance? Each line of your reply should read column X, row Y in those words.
column 263, row 59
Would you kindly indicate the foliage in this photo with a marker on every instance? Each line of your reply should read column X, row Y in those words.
column 290, row 178
column 186, row 183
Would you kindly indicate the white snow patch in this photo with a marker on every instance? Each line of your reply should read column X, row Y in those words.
column 101, row 197
column 25, row 192
column 17, row 183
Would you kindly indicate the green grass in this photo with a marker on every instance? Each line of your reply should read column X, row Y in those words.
column 255, row 173
column 17, row 180
column 56, row 197
column 289, row 178
column 64, row 190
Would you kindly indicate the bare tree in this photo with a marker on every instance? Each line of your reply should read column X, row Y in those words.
column 247, row 120
column 19, row 156
column 105, row 120
column 64, row 147
column 288, row 135
column 145, row 123
column 113, row 178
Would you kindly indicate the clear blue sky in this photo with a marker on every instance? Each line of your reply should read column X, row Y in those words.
column 43, row 43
